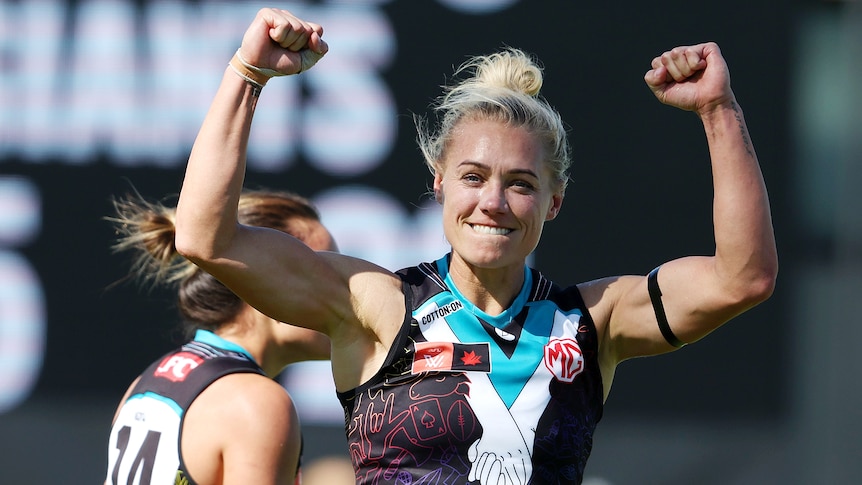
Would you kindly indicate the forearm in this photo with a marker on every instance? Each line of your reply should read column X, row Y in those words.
column 746, row 257
column 206, row 211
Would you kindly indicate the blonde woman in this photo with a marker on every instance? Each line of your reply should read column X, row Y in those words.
column 475, row 368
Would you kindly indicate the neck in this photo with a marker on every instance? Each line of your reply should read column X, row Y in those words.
column 492, row 290
column 254, row 334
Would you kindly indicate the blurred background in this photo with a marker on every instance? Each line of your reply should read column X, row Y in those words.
column 102, row 97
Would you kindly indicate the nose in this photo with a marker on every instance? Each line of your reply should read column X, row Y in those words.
column 492, row 199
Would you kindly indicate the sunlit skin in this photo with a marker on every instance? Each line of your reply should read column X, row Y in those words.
column 497, row 193
column 213, row 450
column 243, row 418
column 275, row 345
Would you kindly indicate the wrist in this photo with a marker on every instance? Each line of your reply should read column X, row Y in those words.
column 255, row 76
column 718, row 109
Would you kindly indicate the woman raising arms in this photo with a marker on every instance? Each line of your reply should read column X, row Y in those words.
column 475, row 367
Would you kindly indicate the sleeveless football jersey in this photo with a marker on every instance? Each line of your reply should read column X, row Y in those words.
column 466, row 397
column 144, row 445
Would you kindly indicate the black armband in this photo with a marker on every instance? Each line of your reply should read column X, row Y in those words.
column 655, row 298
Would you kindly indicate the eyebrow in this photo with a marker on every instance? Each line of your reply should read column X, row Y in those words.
column 517, row 171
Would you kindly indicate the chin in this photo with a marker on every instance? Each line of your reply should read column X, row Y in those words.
column 490, row 260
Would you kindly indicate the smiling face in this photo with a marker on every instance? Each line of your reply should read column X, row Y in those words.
column 496, row 193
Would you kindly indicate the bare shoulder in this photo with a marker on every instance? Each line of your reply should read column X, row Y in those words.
column 377, row 310
column 602, row 296
column 237, row 405
column 376, row 294
column 242, row 418
column 244, row 397
column 609, row 301
column 351, row 267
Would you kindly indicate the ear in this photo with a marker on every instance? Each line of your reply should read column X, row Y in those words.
column 554, row 209
column 438, row 187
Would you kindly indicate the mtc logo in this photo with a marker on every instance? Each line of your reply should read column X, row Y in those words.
column 177, row 367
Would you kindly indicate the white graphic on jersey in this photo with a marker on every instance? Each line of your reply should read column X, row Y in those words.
column 434, row 361
column 144, row 451
column 178, row 366
column 504, row 335
column 503, row 454
column 563, row 357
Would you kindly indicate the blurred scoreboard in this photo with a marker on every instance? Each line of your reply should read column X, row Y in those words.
column 99, row 98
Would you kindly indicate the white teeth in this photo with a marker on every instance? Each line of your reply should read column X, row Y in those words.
column 498, row 231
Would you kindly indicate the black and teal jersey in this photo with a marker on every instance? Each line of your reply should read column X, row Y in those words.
column 467, row 397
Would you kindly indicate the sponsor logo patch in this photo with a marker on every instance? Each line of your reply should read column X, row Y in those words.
column 451, row 357
column 563, row 357
column 441, row 312
column 177, row 367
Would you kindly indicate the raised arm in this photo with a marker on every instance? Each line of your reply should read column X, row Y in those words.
column 275, row 273
column 699, row 293
column 255, row 263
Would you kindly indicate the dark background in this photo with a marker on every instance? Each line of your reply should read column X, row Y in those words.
column 640, row 195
